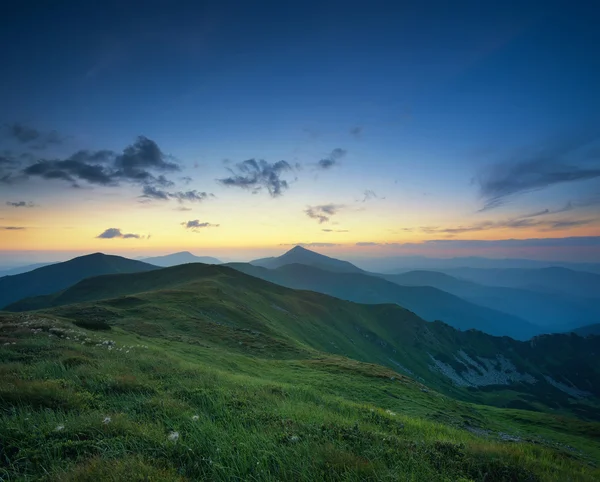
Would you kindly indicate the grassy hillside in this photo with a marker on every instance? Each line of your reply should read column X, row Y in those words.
column 202, row 373
column 202, row 303
column 49, row 279
column 427, row 302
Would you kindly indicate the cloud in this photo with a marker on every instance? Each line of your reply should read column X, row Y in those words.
column 368, row 195
column 195, row 224
column 32, row 137
column 151, row 192
column 356, row 132
column 12, row 228
column 368, row 243
column 20, row 204
column 112, row 233
column 323, row 212
column 256, row 175
column 547, row 167
column 523, row 222
column 332, row 159
column 335, row 230
column 142, row 162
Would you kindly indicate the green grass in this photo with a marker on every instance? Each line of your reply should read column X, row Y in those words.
column 247, row 407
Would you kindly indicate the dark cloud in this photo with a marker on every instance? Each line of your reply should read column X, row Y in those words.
column 332, row 159
column 33, row 137
column 335, row 230
column 72, row 171
column 558, row 225
column 557, row 164
column 151, row 192
column 112, row 233
column 323, row 212
column 368, row 243
column 186, row 179
column 356, row 132
column 195, row 224
column 142, row 163
column 255, row 175
column 368, row 195
column 20, row 204
column 12, row 228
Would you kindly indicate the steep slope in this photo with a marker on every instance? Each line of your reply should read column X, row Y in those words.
column 547, row 280
column 219, row 306
column 300, row 255
column 49, row 279
column 427, row 302
column 182, row 257
column 554, row 311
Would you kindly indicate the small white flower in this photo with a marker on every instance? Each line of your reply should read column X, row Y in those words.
column 59, row 428
column 173, row 436
column 106, row 420
column 195, row 417
column 294, row 439
column 389, row 412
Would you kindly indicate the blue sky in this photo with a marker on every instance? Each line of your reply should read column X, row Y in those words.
column 439, row 109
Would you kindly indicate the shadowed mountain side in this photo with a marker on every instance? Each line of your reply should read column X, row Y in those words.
column 300, row 255
column 220, row 306
column 588, row 330
column 23, row 269
column 427, row 302
column 553, row 311
column 49, row 279
column 182, row 257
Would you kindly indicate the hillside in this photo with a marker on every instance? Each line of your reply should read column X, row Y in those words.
column 554, row 311
column 51, row 278
column 427, row 302
column 201, row 301
column 260, row 382
column 300, row 255
column 546, row 280
column 182, row 257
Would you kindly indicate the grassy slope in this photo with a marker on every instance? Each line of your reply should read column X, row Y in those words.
column 203, row 302
column 244, row 411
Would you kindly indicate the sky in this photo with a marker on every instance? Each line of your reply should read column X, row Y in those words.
column 240, row 129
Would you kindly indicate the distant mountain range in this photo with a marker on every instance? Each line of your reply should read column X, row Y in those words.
column 556, row 311
column 54, row 277
column 400, row 264
column 427, row 302
column 182, row 257
column 545, row 300
column 22, row 269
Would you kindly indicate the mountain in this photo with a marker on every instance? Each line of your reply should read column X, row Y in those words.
column 546, row 280
column 559, row 311
column 300, row 255
column 182, row 257
column 401, row 264
column 201, row 372
column 427, row 302
column 22, row 269
column 49, row 279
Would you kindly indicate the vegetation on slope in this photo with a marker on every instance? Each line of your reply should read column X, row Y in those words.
column 88, row 405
